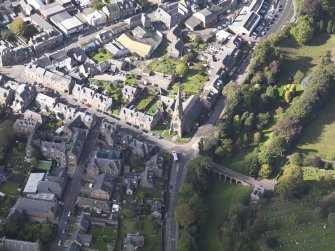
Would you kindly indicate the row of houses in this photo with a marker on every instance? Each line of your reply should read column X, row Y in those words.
column 92, row 97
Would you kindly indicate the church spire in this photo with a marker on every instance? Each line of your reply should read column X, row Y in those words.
column 177, row 121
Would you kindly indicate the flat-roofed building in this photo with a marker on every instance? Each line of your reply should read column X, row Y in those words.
column 66, row 23
column 51, row 9
column 32, row 183
column 245, row 22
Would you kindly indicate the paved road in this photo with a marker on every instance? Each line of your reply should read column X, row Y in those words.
column 287, row 14
column 73, row 188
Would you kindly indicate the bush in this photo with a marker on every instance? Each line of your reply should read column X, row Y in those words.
column 317, row 162
column 272, row 242
column 265, row 171
column 257, row 137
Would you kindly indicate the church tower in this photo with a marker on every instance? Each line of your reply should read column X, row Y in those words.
column 177, row 121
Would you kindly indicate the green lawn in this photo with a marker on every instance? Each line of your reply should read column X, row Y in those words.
column 220, row 198
column 165, row 65
column 144, row 101
column 194, row 80
column 100, row 56
column 44, row 165
column 131, row 79
column 153, row 108
column 101, row 237
column 152, row 235
column 318, row 137
column 9, row 188
column 237, row 161
column 303, row 58
column 127, row 226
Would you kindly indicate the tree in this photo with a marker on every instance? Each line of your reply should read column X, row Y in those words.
column 328, row 6
column 298, row 77
column 290, row 182
column 14, row 224
column 249, row 123
column 47, row 233
column 265, row 171
column 288, row 96
column 266, row 156
column 287, row 127
column 333, row 29
column 251, row 165
column 184, row 215
column 186, row 242
column 312, row 8
column 97, row 4
column 234, row 98
column 226, row 148
column 321, row 26
column 296, row 159
column 278, row 146
column 317, row 162
column 272, row 92
column 303, row 31
column 7, row 36
column 18, row 26
column 263, row 119
column 330, row 26
column 181, row 69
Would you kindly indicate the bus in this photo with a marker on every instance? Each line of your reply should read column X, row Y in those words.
column 175, row 156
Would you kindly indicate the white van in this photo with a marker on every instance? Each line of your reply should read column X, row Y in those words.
column 175, row 156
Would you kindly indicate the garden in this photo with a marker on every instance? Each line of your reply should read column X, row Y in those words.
column 99, row 55
column 102, row 237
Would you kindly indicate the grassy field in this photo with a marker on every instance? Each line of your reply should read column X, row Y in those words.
column 303, row 58
column 9, row 188
column 220, row 198
column 318, row 137
column 296, row 227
